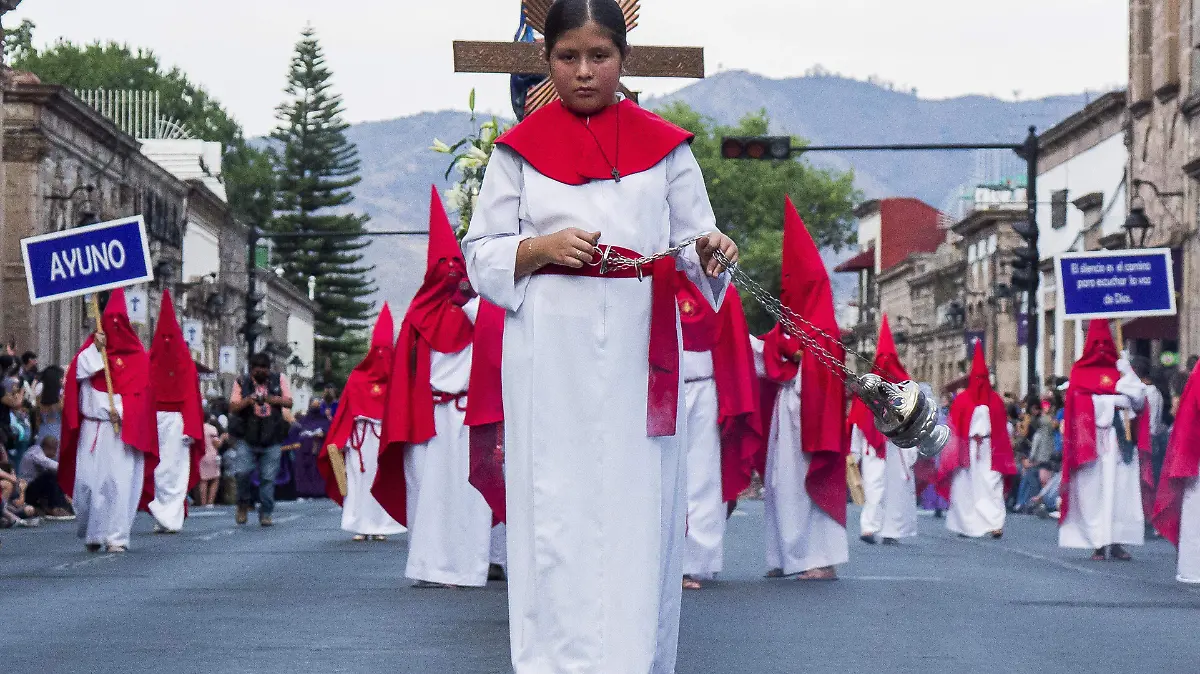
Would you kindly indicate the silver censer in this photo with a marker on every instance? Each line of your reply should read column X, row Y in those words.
column 903, row 413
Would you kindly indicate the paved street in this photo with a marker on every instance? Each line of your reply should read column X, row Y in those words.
column 301, row 597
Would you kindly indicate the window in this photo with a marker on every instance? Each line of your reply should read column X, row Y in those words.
column 1058, row 209
column 1140, row 44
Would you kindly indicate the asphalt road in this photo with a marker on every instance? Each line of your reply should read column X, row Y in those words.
column 301, row 597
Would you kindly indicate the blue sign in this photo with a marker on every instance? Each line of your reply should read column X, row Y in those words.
column 87, row 259
column 1116, row 283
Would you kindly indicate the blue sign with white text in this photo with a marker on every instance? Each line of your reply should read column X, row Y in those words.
column 87, row 259
column 1116, row 284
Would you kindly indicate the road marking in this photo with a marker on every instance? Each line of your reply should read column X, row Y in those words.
column 1044, row 558
column 84, row 562
column 217, row 534
column 900, row 579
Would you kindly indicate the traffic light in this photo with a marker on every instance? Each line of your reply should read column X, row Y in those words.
column 771, row 148
column 254, row 326
column 1025, row 258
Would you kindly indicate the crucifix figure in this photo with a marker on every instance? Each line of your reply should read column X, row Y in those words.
column 524, row 58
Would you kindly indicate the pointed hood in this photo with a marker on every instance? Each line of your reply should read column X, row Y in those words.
column 807, row 292
column 364, row 395
column 979, row 382
column 887, row 365
column 173, row 371
column 443, row 245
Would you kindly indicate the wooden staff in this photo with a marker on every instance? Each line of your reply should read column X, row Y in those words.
column 1121, row 353
column 94, row 310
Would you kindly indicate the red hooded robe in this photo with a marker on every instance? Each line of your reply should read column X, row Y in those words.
column 363, row 396
column 807, row 292
column 725, row 335
column 435, row 321
column 176, row 385
column 887, row 365
column 1181, row 466
column 129, row 365
column 1094, row 374
column 957, row 454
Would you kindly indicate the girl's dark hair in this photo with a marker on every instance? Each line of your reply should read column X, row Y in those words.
column 566, row 15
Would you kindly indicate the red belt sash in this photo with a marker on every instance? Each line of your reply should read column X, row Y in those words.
column 441, row 398
column 168, row 407
column 662, row 401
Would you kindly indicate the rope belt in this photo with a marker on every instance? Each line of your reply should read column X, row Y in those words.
column 96, row 437
column 459, row 399
column 358, row 435
column 662, row 401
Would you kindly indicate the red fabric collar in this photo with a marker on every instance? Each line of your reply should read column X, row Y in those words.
column 560, row 144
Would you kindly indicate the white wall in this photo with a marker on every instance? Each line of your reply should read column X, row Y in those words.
column 1098, row 169
column 201, row 251
column 300, row 338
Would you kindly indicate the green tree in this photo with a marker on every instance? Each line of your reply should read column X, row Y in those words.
column 748, row 199
column 317, row 168
column 116, row 66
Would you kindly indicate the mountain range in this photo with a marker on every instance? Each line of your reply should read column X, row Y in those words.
column 398, row 167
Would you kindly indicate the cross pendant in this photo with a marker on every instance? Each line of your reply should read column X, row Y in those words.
column 616, row 175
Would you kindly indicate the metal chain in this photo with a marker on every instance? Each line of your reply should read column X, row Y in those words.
column 787, row 319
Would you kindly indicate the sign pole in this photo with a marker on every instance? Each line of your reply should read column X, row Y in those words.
column 94, row 310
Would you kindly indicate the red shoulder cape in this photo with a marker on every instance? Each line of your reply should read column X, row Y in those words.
column 567, row 148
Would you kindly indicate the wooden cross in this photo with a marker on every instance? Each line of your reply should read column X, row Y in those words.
column 527, row 58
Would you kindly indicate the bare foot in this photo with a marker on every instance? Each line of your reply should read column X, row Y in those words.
column 823, row 573
column 359, row 537
column 379, row 537
column 690, row 583
column 775, row 573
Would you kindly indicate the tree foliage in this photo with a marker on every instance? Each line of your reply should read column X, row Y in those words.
column 116, row 66
column 748, row 199
column 317, row 168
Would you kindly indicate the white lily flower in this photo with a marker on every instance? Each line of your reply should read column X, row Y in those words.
column 439, row 146
column 488, row 133
column 455, row 198
column 468, row 163
column 476, row 153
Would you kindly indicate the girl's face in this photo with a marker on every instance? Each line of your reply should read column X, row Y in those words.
column 585, row 66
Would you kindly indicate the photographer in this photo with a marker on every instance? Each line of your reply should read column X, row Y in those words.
column 257, row 422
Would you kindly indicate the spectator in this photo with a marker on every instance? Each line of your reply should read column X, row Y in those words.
column 49, row 403
column 257, row 405
column 16, row 431
column 39, row 468
column 210, row 464
column 13, row 510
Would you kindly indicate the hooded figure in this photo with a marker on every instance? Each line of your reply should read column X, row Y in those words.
column 890, row 509
column 424, row 459
column 804, row 462
column 972, row 468
column 1177, row 507
column 356, row 430
column 180, row 419
column 724, row 431
column 1101, row 485
column 101, row 468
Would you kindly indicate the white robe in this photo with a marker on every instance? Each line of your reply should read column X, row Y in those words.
column 1106, row 495
column 891, row 490
column 703, row 553
column 1189, row 535
column 498, row 548
column 977, row 493
column 595, row 507
column 172, row 472
column 800, row 536
column 449, row 523
column 108, row 473
column 361, row 513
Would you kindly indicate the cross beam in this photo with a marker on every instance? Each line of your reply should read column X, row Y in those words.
column 527, row 58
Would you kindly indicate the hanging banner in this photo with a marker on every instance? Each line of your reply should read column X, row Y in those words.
column 1116, row 283
column 228, row 360
column 136, row 300
column 193, row 333
column 86, row 260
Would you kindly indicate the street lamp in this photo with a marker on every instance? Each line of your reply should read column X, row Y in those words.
column 1137, row 225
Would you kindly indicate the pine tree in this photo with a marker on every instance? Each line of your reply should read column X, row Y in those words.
column 317, row 168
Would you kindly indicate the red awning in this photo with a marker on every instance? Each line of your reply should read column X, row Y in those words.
column 864, row 260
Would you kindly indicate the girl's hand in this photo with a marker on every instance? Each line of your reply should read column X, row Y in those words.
column 711, row 243
column 571, row 247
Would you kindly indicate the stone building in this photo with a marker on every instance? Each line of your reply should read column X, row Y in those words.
column 932, row 335
column 66, row 164
column 1163, row 126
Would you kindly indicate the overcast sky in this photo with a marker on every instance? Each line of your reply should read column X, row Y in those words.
column 392, row 58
